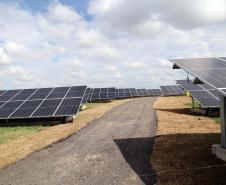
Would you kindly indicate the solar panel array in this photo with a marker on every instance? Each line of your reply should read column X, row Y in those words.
column 211, row 71
column 59, row 101
column 206, row 95
column 43, row 102
column 154, row 92
column 172, row 90
column 102, row 94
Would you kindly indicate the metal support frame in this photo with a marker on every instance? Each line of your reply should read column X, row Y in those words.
column 193, row 103
column 223, row 120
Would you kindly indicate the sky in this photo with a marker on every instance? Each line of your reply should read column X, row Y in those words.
column 105, row 43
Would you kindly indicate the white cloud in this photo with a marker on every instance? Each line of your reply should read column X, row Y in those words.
column 4, row 59
column 125, row 44
column 59, row 12
column 135, row 65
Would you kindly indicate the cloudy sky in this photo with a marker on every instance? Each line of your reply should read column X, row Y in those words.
column 121, row 43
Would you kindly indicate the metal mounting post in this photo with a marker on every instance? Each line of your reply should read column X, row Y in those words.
column 223, row 120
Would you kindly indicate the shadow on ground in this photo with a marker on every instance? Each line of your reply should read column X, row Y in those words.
column 137, row 153
column 186, row 111
column 186, row 159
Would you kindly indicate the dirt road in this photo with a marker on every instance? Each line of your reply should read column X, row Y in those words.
column 114, row 149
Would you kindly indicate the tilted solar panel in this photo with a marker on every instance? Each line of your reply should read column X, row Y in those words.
column 172, row 90
column 103, row 94
column 203, row 92
column 43, row 102
column 211, row 71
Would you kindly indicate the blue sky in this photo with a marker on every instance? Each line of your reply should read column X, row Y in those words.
column 103, row 42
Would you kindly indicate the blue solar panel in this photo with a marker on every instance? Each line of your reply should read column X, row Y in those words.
column 43, row 102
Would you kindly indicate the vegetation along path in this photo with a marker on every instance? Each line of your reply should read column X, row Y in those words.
column 114, row 149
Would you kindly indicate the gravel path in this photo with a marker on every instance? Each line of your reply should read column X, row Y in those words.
column 114, row 149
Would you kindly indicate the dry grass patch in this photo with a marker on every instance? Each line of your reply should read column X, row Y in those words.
column 17, row 149
column 182, row 152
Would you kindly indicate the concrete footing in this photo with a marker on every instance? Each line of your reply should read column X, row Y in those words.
column 69, row 119
column 219, row 152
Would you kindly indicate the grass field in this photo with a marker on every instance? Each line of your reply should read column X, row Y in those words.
column 217, row 119
column 11, row 133
column 8, row 134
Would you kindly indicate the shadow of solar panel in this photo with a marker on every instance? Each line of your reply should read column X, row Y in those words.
column 31, row 104
column 37, row 96
column 4, row 113
column 21, row 97
column 23, row 113
column 56, row 95
column 71, row 102
column 68, row 110
column 51, row 103
column 5, row 98
column 72, row 94
column 44, row 111
column 12, row 105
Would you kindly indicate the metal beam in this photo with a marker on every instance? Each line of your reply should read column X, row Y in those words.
column 223, row 120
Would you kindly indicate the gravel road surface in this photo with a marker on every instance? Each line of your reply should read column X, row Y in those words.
column 114, row 149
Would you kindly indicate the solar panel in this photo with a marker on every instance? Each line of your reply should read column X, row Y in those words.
column 140, row 92
column 120, row 93
column 103, row 94
column 133, row 92
column 154, row 92
column 172, row 90
column 204, row 94
column 211, row 71
column 86, row 95
column 43, row 102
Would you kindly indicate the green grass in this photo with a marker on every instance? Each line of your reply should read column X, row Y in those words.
column 196, row 104
column 217, row 119
column 92, row 105
column 11, row 133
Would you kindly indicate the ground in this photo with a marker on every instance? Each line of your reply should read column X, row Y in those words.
column 127, row 146
column 182, row 152
column 24, row 143
column 114, row 149
column 8, row 134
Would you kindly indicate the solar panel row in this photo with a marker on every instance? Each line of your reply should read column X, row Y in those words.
column 172, row 90
column 102, row 94
column 43, row 102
